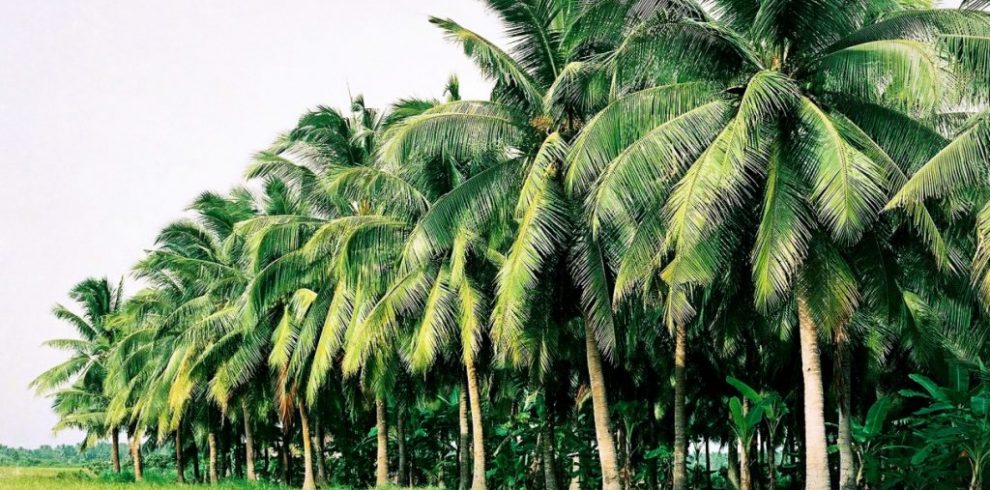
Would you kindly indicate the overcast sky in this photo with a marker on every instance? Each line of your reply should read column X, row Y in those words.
column 114, row 115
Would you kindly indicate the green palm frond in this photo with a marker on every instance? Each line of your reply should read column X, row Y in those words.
column 952, row 168
column 492, row 61
column 847, row 188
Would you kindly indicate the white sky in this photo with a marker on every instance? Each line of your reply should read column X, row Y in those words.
column 114, row 115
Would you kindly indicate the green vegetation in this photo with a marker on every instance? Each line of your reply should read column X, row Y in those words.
column 677, row 230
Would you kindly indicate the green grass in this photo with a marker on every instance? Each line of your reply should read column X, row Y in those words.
column 21, row 478
column 16, row 478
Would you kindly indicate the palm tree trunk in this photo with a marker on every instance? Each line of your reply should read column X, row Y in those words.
column 843, row 392
column 771, row 461
column 211, row 441
column 708, row 464
column 680, row 417
column 381, row 464
column 732, row 470
column 248, row 442
column 321, row 460
column 286, row 458
column 477, row 428
column 195, row 451
column 599, row 399
column 180, row 466
column 115, row 455
column 745, row 479
column 401, row 476
column 463, row 449
column 308, row 482
column 816, row 449
column 549, row 459
column 135, row 444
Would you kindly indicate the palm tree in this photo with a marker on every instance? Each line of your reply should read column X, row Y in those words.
column 545, row 88
column 77, row 384
column 767, row 113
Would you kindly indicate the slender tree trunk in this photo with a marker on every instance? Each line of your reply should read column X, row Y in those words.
column 286, row 456
column 180, row 465
column 222, row 461
column 321, row 460
column 135, row 444
column 745, row 451
column 842, row 379
column 816, row 449
column 402, row 476
column 745, row 479
column 195, row 453
column 463, row 448
column 211, row 441
column 599, row 398
column 115, row 454
column 477, row 428
column 680, row 415
column 308, row 482
column 549, row 458
column 708, row 464
column 771, row 461
column 381, row 464
column 248, row 442
column 732, row 471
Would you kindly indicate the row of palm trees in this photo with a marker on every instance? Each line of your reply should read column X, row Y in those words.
column 727, row 172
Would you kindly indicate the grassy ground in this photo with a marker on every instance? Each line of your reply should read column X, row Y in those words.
column 14, row 478
column 80, row 479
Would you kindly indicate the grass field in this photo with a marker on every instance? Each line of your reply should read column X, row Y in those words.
column 13, row 478
column 17, row 478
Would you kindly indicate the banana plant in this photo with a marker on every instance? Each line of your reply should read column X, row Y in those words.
column 955, row 424
column 868, row 437
column 745, row 417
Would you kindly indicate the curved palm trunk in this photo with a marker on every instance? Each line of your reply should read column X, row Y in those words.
column 816, row 449
column 599, row 399
column 115, row 454
column 135, row 444
column 248, row 443
column 381, row 464
column 180, row 464
column 308, row 482
column 477, row 429
column 680, row 418
column 464, row 452
column 211, row 441
column 843, row 376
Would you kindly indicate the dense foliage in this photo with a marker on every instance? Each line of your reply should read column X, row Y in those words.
column 730, row 243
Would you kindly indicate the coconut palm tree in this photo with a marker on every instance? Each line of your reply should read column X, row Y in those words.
column 77, row 384
column 767, row 118
column 545, row 88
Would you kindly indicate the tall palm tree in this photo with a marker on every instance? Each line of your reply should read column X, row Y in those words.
column 766, row 116
column 545, row 88
column 77, row 384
